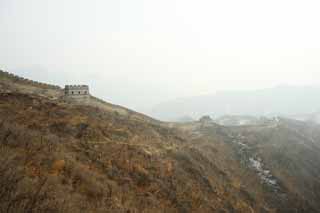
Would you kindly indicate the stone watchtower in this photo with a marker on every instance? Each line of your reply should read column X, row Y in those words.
column 76, row 90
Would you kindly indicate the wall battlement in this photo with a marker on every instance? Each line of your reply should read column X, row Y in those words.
column 77, row 87
column 27, row 81
column 76, row 90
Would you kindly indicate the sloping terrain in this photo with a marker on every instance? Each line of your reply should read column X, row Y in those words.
column 284, row 154
column 77, row 157
column 57, row 156
column 12, row 83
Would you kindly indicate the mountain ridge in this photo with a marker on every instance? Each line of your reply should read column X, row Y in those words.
column 264, row 102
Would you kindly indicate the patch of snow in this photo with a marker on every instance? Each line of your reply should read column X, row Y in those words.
column 231, row 135
column 245, row 146
column 243, row 122
column 242, row 144
column 264, row 174
column 256, row 164
column 271, row 182
column 240, row 136
column 196, row 134
column 238, row 139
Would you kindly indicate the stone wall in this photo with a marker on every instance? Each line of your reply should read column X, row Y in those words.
column 19, row 79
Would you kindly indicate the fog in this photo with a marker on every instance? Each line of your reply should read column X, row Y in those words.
column 144, row 52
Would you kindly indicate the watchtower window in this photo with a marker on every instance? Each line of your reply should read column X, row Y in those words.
column 72, row 92
column 79, row 92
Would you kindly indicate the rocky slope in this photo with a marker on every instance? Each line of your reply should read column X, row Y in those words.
column 59, row 156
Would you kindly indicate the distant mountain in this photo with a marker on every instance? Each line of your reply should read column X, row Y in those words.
column 282, row 100
column 309, row 117
column 184, row 119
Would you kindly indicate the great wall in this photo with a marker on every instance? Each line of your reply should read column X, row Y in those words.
column 15, row 78
column 70, row 94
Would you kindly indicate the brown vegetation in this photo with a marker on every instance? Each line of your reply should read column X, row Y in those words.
column 60, row 157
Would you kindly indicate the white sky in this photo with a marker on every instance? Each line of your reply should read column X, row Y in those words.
column 143, row 52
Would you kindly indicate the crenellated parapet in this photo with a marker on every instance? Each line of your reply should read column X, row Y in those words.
column 76, row 90
column 76, row 87
column 16, row 78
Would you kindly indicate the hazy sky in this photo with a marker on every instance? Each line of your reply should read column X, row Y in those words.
column 142, row 52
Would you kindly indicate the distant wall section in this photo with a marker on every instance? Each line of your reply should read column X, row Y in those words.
column 15, row 78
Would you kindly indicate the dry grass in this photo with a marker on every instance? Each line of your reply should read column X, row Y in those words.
column 61, row 157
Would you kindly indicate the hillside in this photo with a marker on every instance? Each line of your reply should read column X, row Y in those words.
column 58, row 156
column 13, row 83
